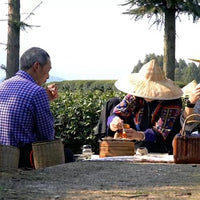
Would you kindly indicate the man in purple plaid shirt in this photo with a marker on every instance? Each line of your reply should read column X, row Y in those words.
column 25, row 115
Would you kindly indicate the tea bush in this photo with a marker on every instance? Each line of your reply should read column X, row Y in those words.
column 86, row 85
column 77, row 110
column 76, row 114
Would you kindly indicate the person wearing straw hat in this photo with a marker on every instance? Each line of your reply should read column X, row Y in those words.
column 155, row 105
column 192, row 103
column 25, row 115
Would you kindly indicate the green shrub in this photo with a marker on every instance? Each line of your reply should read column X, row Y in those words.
column 76, row 114
column 77, row 110
column 86, row 85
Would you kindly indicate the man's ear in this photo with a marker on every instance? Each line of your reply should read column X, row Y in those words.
column 36, row 66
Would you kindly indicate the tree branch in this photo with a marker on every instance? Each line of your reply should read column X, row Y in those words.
column 31, row 13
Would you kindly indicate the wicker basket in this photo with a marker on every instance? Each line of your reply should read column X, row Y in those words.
column 186, row 148
column 9, row 157
column 47, row 154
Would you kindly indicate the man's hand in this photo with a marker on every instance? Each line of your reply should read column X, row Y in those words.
column 52, row 91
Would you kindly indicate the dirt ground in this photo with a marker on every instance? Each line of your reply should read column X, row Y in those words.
column 103, row 180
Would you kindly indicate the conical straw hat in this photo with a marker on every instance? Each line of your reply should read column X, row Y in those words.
column 194, row 59
column 189, row 87
column 150, row 82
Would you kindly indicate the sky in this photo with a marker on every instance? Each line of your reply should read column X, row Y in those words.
column 93, row 39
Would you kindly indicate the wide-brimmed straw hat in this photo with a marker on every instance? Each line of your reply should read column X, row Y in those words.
column 150, row 82
column 196, row 60
column 187, row 89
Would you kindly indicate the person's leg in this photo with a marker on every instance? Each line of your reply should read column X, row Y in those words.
column 69, row 156
column 25, row 158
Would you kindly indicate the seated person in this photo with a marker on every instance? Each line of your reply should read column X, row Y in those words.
column 192, row 106
column 101, row 129
column 25, row 115
column 153, row 101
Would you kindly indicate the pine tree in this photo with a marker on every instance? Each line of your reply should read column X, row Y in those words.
column 165, row 12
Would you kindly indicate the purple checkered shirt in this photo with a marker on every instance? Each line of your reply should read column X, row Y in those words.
column 25, row 115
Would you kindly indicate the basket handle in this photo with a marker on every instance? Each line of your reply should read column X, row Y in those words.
column 187, row 121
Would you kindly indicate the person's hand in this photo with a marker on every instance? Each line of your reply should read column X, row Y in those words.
column 52, row 91
column 195, row 95
column 116, row 124
column 132, row 134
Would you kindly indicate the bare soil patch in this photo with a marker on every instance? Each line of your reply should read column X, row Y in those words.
column 103, row 180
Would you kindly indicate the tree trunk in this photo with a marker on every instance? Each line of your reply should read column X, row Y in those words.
column 13, row 43
column 169, row 44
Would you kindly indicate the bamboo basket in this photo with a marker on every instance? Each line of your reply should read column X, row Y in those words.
column 112, row 148
column 46, row 154
column 9, row 158
column 186, row 148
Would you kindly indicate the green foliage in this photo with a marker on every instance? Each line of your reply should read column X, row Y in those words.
column 151, row 56
column 180, row 84
column 164, row 13
column 77, row 110
column 148, row 57
column 184, row 73
column 191, row 72
column 76, row 114
column 86, row 85
column 158, row 9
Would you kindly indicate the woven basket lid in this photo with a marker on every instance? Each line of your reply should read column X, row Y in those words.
column 150, row 82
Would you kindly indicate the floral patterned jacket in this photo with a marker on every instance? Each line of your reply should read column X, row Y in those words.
column 155, row 117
